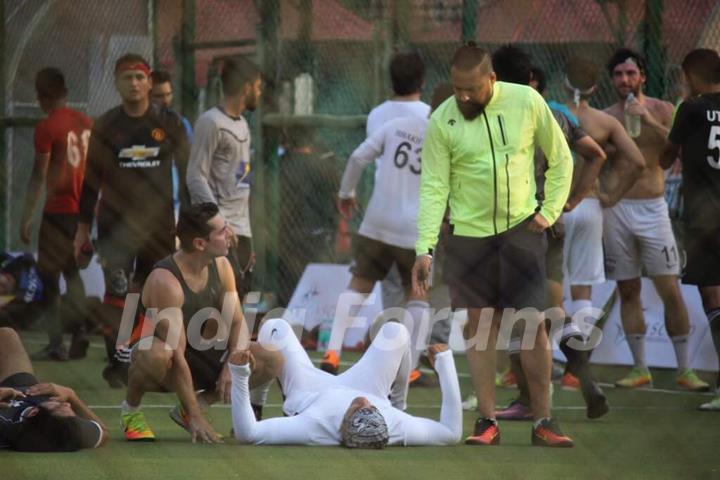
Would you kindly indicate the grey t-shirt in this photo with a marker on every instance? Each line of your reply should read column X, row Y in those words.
column 219, row 168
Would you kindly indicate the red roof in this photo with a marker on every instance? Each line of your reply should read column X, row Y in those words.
column 218, row 20
column 498, row 22
column 563, row 21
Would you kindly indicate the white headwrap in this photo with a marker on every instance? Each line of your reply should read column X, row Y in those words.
column 577, row 92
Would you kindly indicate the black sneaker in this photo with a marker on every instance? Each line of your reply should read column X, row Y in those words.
column 486, row 432
column 597, row 404
column 51, row 353
column 78, row 346
column 548, row 434
column 116, row 375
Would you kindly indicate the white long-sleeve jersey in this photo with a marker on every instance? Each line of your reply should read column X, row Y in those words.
column 317, row 418
column 391, row 215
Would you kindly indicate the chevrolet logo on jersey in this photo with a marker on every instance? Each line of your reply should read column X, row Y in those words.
column 139, row 154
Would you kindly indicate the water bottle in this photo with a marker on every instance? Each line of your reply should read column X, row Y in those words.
column 632, row 122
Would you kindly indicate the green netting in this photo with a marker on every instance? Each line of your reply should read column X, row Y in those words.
column 301, row 143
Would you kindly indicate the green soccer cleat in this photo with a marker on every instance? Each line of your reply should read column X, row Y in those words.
column 136, row 427
column 689, row 380
column 711, row 406
column 178, row 415
column 638, row 377
column 470, row 402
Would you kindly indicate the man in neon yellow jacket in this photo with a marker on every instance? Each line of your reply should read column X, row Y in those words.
column 478, row 158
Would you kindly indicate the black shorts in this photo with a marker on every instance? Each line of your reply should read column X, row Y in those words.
column 205, row 367
column 241, row 259
column 554, row 256
column 126, row 252
column 373, row 259
column 55, row 244
column 502, row 271
column 19, row 380
column 703, row 257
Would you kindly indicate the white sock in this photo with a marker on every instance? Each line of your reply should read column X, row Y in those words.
column 420, row 332
column 515, row 346
column 348, row 305
column 636, row 342
column 258, row 395
column 539, row 420
column 581, row 315
column 680, row 344
column 125, row 407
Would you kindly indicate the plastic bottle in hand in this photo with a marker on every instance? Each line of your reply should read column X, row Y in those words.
column 632, row 122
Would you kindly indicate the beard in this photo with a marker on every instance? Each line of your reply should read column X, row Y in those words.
column 251, row 102
column 470, row 110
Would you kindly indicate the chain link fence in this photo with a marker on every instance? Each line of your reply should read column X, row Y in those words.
column 325, row 64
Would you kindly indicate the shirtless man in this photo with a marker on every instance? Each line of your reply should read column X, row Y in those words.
column 583, row 249
column 638, row 236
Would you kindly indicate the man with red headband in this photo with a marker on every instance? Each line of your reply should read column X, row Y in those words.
column 129, row 165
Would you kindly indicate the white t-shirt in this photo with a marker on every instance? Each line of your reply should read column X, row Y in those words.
column 391, row 109
column 318, row 420
column 391, row 215
column 219, row 167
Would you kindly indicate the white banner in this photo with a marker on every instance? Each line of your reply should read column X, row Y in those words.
column 315, row 299
column 316, row 296
column 613, row 348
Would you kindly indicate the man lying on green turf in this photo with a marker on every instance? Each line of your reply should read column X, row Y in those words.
column 195, row 320
column 40, row 417
column 361, row 408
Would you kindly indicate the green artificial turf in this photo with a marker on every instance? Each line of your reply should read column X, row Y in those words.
column 648, row 434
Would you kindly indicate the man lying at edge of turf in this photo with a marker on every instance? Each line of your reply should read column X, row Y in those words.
column 40, row 417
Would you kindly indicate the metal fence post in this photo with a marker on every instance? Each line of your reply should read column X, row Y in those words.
column 187, row 60
column 469, row 20
column 4, row 218
column 653, row 49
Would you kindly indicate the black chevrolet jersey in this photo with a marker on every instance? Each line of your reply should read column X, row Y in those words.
column 129, row 164
column 697, row 130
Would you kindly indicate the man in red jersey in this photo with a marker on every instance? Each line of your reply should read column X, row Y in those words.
column 61, row 142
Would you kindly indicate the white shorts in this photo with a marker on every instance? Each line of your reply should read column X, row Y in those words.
column 638, row 239
column 583, row 247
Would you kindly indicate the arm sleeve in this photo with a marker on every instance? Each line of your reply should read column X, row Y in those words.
column 678, row 132
column 94, row 171
column 423, row 431
column 205, row 141
column 558, row 176
column 274, row 431
column 43, row 138
column 434, row 187
column 363, row 156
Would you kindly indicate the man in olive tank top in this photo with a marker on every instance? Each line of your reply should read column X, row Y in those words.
column 191, row 322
